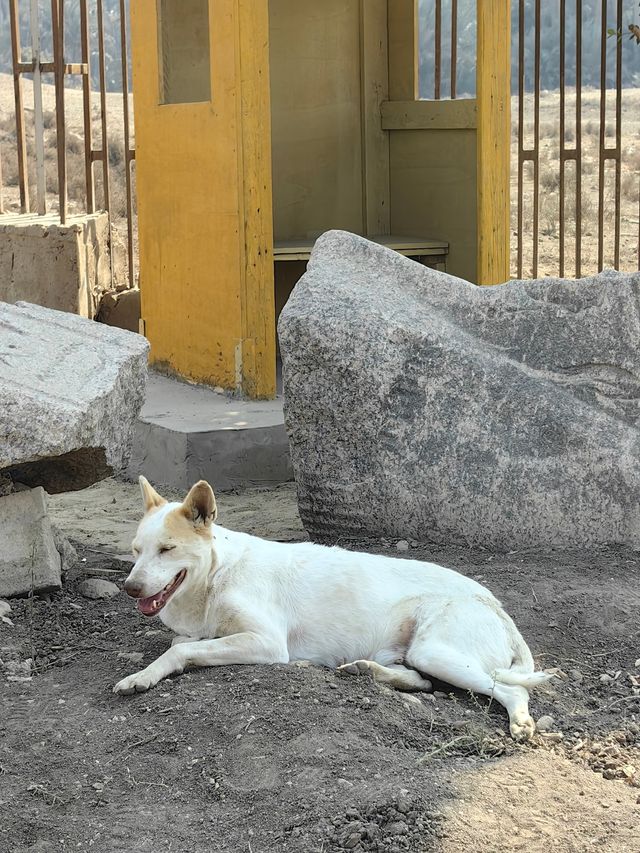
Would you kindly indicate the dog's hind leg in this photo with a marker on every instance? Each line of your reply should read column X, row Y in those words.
column 449, row 664
column 397, row 676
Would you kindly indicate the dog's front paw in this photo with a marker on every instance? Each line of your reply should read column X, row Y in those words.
column 139, row 682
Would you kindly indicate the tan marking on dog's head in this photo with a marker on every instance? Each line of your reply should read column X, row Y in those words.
column 150, row 498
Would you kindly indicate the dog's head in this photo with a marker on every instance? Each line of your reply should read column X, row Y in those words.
column 172, row 547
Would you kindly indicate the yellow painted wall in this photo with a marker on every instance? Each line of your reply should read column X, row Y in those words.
column 204, row 205
column 494, row 139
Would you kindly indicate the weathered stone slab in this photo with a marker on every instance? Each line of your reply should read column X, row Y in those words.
column 70, row 394
column 420, row 406
column 65, row 267
column 29, row 558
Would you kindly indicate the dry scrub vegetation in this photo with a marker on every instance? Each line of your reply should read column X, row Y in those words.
column 549, row 201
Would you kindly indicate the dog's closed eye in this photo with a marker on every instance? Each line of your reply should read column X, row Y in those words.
column 164, row 548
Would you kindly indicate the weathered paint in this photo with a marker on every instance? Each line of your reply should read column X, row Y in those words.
column 494, row 129
column 204, row 205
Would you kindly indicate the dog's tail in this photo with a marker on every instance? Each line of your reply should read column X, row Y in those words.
column 529, row 680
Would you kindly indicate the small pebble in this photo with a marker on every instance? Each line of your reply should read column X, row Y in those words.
column 5, row 608
column 134, row 657
column 399, row 827
column 96, row 588
column 576, row 675
column 637, row 664
column 402, row 545
column 605, row 679
column 545, row 724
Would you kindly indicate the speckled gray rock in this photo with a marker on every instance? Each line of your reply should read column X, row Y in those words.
column 421, row 406
column 29, row 558
column 98, row 588
column 70, row 394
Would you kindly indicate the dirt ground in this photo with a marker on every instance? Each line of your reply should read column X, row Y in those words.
column 294, row 758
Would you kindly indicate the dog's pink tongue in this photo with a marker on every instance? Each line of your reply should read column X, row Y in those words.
column 151, row 605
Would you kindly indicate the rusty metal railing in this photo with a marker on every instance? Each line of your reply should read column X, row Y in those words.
column 575, row 151
column 439, row 42
column 61, row 69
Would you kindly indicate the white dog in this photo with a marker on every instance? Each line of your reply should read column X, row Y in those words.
column 233, row 598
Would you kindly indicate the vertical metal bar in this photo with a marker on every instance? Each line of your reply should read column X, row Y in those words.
column 603, row 117
column 127, row 137
column 57, row 22
column 86, row 104
column 563, row 45
column 520, row 131
column 536, row 142
column 616, row 249
column 41, row 184
column 23, row 178
column 454, row 47
column 438, row 51
column 578, row 199
column 103, row 108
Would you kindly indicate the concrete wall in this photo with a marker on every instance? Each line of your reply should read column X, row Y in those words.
column 65, row 267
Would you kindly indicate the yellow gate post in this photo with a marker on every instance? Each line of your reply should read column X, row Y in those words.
column 494, row 138
column 203, row 179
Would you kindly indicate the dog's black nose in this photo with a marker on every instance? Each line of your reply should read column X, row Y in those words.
column 133, row 589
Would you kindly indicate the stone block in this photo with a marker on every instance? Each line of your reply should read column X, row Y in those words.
column 65, row 267
column 420, row 406
column 29, row 559
column 70, row 393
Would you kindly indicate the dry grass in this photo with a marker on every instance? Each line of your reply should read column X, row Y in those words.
column 549, row 198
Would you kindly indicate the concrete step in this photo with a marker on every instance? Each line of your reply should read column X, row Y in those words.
column 190, row 432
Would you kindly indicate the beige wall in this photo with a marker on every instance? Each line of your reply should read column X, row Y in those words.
column 433, row 181
column 316, row 118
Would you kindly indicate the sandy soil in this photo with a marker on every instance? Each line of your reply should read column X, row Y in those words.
column 299, row 759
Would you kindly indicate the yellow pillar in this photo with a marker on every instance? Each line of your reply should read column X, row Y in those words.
column 203, row 180
column 494, row 139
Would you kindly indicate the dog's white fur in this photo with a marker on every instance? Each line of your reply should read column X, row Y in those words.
column 245, row 600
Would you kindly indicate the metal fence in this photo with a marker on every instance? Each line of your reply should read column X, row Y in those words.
column 566, row 181
column 31, row 64
column 575, row 159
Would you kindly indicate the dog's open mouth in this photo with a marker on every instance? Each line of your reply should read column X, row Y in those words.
column 154, row 603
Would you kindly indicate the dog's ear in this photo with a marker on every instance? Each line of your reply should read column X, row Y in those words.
column 200, row 504
column 150, row 497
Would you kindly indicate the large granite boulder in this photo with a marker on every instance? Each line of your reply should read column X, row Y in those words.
column 70, row 394
column 419, row 405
